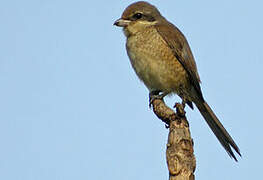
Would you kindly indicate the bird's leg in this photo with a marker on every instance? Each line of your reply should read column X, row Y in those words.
column 181, row 94
column 155, row 95
column 184, row 100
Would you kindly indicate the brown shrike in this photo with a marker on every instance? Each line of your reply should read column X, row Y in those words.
column 162, row 59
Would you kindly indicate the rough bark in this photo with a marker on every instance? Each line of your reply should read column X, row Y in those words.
column 179, row 153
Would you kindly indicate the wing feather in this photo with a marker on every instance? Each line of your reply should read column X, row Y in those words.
column 180, row 47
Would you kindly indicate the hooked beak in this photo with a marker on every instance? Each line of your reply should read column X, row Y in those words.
column 121, row 22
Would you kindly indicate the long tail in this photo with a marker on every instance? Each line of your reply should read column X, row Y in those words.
column 218, row 129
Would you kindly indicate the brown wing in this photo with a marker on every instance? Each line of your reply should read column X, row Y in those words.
column 180, row 47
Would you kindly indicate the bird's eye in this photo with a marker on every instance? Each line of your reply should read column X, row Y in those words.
column 137, row 16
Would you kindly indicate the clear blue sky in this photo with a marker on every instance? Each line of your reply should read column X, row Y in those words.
column 72, row 108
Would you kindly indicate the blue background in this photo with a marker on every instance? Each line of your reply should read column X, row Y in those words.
column 71, row 106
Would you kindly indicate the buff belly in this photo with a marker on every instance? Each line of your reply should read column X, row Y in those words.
column 156, row 64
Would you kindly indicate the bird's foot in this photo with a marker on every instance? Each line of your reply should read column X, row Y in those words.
column 182, row 104
column 153, row 95
column 180, row 109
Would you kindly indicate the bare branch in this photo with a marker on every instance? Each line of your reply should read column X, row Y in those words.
column 179, row 153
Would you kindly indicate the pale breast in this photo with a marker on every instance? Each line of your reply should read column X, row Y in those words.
column 154, row 62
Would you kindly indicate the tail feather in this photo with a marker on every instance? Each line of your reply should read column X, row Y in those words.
column 218, row 129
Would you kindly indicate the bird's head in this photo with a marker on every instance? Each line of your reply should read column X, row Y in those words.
column 138, row 16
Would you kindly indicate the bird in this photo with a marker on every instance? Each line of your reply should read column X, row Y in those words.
column 162, row 59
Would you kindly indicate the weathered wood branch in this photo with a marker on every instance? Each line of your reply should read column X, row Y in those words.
column 179, row 153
